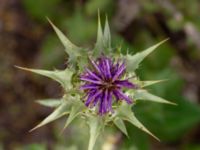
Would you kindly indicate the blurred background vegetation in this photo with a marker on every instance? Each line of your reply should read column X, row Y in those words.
column 26, row 39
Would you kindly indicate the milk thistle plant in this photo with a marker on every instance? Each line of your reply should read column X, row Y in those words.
column 100, row 85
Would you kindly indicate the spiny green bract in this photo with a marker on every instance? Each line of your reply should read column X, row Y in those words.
column 72, row 105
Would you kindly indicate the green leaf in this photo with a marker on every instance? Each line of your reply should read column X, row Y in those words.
column 99, row 43
column 76, row 109
column 103, row 43
column 61, row 76
column 120, row 124
column 145, row 95
column 148, row 83
column 107, row 35
column 96, row 126
column 72, row 50
column 83, row 61
column 49, row 102
column 62, row 110
column 142, row 84
column 133, row 61
column 124, row 112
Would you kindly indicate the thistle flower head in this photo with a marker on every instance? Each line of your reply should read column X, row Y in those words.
column 103, row 83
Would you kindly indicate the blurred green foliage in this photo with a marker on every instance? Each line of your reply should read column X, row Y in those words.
column 79, row 22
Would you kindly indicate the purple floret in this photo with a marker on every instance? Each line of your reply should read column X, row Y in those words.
column 103, row 83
